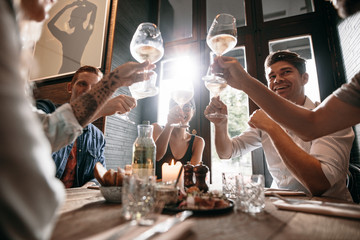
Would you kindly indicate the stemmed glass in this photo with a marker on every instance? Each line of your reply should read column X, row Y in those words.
column 221, row 38
column 182, row 93
column 146, row 44
column 141, row 90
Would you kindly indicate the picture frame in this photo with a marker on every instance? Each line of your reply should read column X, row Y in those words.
column 76, row 33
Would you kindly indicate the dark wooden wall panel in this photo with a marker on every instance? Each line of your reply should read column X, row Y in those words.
column 120, row 135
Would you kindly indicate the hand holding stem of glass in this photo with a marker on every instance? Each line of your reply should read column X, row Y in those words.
column 221, row 38
column 146, row 44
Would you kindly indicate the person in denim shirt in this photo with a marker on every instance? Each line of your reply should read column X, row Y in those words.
column 90, row 150
column 75, row 162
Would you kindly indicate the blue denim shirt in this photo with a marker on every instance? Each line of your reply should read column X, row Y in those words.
column 90, row 150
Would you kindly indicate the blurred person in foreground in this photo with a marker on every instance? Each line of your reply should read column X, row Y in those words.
column 75, row 162
column 338, row 111
column 30, row 193
column 175, row 142
column 317, row 167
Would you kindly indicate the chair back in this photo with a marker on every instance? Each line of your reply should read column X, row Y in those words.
column 353, row 182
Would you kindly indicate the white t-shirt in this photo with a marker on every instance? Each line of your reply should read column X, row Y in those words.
column 333, row 152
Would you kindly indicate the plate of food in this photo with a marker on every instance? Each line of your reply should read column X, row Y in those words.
column 212, row 202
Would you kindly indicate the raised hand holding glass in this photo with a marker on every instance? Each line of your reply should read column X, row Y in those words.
column 182, row 93
column 146, row 44
column 221, row 38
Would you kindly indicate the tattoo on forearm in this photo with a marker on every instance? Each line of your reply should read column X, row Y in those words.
column 86, row 106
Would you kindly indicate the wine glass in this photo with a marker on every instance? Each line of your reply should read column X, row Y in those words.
column 146, row 44
column 221, row 38
column 182, row 93
column 142, row 90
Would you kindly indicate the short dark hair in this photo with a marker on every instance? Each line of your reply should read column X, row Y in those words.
column 86, row 68
column 291, row 57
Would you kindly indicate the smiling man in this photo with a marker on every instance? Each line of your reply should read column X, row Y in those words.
column 318, row 167
column 75, row 162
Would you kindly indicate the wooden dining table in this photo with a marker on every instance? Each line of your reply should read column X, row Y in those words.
column 86, row 214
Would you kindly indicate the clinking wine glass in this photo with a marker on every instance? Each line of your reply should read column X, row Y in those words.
column 182, row 93
column 142, row 90
column 221, row 38
column 146, row 44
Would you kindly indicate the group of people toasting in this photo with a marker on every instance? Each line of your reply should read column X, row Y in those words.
column 307, row 145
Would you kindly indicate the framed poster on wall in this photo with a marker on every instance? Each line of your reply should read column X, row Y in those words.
column 76, row 33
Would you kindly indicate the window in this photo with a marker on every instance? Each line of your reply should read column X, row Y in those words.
column 276, row 9
column 233, row 7
column 176, row 19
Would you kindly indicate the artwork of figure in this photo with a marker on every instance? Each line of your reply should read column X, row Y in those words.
column 76, row 33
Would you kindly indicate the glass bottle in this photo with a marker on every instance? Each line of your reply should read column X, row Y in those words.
column 144, row 152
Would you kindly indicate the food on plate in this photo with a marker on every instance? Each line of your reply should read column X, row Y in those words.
column 108, row 177
column 196, row 199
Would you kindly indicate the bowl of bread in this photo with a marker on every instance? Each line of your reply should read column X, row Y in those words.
column 111, row 182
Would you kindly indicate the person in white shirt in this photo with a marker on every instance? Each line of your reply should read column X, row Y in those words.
column 318, row 167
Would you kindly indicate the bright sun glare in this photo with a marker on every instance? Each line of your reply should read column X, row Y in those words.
column 174, row 71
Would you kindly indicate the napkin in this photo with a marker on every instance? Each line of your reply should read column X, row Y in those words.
column 178, row 232
column 283, row 192
column 129, row 230
column 336, row 209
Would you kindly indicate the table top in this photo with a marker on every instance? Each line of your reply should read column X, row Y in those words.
column 86, row 213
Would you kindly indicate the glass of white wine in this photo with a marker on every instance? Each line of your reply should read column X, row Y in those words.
column 221, row 38
column 146, row 44
column 182, row 93
column 141, row 90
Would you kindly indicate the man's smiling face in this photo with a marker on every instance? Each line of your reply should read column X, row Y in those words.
column 285, row 80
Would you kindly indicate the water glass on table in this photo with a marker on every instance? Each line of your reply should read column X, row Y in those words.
column 229, row 184
column 138, row 199
column 250, row 197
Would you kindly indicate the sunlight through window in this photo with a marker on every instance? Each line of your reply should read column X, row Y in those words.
column 174, row 71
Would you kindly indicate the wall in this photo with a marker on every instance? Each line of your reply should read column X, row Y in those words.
column 119, row 134
column 349, row 35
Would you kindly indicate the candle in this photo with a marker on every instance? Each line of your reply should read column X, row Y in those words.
column 171, row 171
